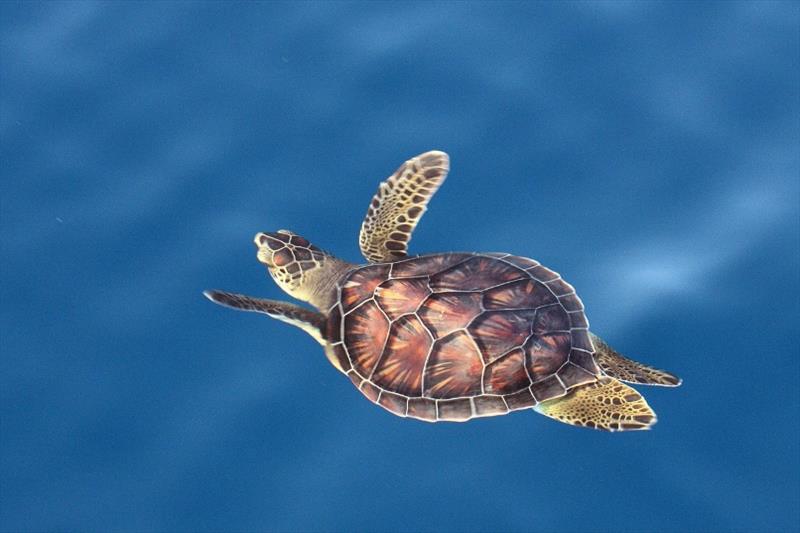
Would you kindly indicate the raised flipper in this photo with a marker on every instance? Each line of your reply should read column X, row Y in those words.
column 624, row 369
column 309, row 321
column 398, row 205
column 605, row 404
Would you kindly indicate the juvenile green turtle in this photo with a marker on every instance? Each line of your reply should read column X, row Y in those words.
column 450, row 336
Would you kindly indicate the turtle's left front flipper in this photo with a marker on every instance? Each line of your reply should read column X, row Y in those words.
column 309, row 321
column 398, row 205
column 620, row 367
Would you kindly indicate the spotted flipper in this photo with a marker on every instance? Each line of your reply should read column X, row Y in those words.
column 309, row 321
column 624, row 369
column 605, row 404
column 398, row 205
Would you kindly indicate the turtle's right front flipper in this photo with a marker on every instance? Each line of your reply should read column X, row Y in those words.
column 309, row 321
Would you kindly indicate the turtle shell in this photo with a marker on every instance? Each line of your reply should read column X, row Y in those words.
column 455, row 336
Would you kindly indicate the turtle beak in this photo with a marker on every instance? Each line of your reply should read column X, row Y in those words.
column 267, row 244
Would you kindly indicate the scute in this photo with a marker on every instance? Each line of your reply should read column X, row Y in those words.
column 550, row 319
column 507, row 374
column 454, row 368
column 497, row 332
column 543, row 274
column 394, row 402
column 365, row 331
column 520, row 400
column 446, row 312
column 581, row 340
column 422, row 409
column 426, row 265
column 522, row 294
column 585, row 360
column 490, row 405
column 454, row 336
column 560, row 287
column 401, row 366
column 545, row 354
column 548, row 388
column 458, row 410
column 520, row 262
column 371, row 391
column 572, row 375
column 338, row 357
column 571, row 303
column 398, row 297
column 361, row 284
column 475, row 274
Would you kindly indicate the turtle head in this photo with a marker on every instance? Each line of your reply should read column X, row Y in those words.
column 299, row 268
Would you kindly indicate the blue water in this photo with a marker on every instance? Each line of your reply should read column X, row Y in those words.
column 647, row 151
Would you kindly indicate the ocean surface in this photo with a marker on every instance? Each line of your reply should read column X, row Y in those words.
column 647, row 151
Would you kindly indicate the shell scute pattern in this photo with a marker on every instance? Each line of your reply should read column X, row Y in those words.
column 355, row 378
column 520, row 400
column 572, row 303
column 339, row 358
column 551, row 387
column 522, row 294
column 361, row 285
column 498, row 332
column 475, row 274
column 403, row 361
column 426, row 265
column 544, row 354
column 371, row 391
column 447, row 312
column 507, row 374
column 458, row 410
column 549, row 319
column 572, row 375
column 366, row 329
column 454, row 368
column 455, row 336
column 398, row 297
column 521, row 262
column 422, row 409
column 487, row 405
column 394, row 402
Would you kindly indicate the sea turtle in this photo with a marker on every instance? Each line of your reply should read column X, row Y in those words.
column 449, row 336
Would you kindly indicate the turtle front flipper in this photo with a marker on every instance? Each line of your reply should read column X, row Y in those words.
column 606, row 404
column 624, row 369
column 309, row 321
column 398, row 205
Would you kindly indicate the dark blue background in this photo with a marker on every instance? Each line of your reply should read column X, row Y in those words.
column 647, row 151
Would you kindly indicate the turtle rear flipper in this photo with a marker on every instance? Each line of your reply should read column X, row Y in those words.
column 606, row 404
column 309, row 321
column 620, row 367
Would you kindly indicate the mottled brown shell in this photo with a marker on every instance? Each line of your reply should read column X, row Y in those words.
column 455, row 336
